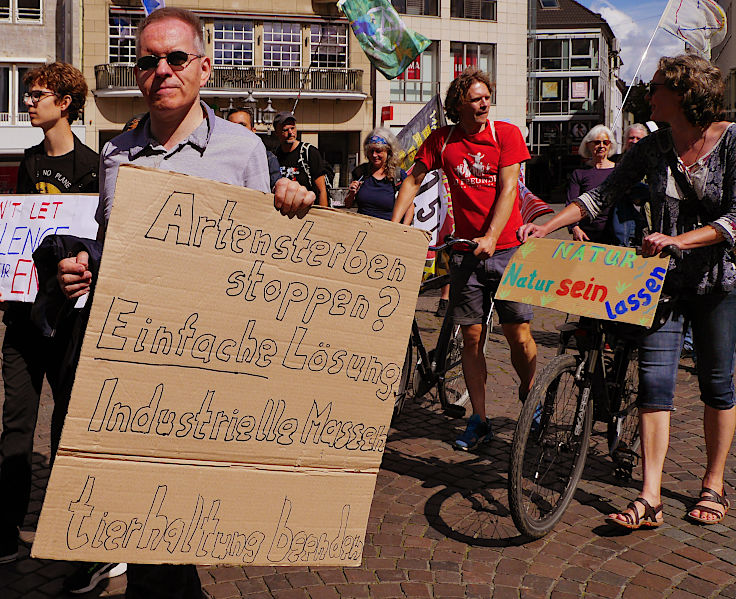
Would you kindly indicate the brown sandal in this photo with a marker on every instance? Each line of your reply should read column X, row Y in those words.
column 707, row 494
column 634, row 521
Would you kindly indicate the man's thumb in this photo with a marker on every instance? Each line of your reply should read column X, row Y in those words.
column 83, row 258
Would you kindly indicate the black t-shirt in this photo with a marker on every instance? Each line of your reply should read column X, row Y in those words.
column 291, row 166
column 54, row 174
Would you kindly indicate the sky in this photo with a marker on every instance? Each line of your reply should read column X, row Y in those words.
column 633, row 22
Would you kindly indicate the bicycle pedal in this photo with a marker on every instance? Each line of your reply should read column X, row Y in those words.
column 454, row 411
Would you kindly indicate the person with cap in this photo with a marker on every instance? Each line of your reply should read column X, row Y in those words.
column 299, row 160
column 243, row 117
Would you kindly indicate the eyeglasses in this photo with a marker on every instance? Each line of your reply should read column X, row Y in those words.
column 35, row 96
column 600, row 142
column 652, row 87
column 178, row 60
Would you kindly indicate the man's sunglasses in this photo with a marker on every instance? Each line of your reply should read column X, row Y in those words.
column 178, row 59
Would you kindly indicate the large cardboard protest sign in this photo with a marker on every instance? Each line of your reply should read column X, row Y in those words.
column 588, row 279
column 236, row 383
column 25, row 220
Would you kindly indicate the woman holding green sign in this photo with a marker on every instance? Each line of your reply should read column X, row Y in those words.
column 691, row 171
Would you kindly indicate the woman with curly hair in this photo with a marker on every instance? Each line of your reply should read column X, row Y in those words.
column 376, row 182
column 691, row 171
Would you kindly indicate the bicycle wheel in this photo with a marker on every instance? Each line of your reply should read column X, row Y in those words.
column 547, row 456
column 624, row 443
column 453, row 390
column 405, row 382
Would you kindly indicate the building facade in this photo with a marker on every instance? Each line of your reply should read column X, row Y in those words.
column 488, row 34
column 34, row 32
column 268, row 56
column 573, row 85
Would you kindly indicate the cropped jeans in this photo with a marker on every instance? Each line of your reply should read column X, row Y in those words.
column 713, row 318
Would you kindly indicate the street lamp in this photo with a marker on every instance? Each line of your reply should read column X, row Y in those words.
column 268, row 114
column 251, row 105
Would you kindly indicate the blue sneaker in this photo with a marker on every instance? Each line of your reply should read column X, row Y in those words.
column 475, row 433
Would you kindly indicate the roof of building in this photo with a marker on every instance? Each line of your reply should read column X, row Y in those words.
column 570, row 14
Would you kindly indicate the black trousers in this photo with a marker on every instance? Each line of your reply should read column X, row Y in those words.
column 163, row 582
column 27, row 357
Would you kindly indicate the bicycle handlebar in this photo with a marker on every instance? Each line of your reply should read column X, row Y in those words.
column 449, row 241
column 672, row 250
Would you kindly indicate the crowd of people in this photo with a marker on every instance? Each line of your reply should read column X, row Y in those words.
column 675, row 186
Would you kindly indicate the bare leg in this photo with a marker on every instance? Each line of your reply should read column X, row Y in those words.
column 523, row 353
column 719, row 429
column 655, row 436
column 474, row 366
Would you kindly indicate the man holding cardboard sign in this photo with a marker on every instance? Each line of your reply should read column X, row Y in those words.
column 181, row 134
column 482, row 160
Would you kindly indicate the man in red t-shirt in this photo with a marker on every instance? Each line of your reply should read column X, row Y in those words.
column 482, row 161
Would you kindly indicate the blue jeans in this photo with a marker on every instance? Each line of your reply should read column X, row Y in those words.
column 713, row 319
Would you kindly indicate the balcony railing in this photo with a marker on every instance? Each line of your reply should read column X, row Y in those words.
column 120, row 76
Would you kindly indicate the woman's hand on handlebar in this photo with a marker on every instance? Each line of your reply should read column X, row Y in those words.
column 654, row 243
column 524, row 232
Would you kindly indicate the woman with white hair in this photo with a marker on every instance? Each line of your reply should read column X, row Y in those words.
column 595, row 147
column 376, row 182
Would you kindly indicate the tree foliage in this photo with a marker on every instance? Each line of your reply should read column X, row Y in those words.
column 637, row 105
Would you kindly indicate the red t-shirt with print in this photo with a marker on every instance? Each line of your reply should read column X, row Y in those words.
column 471, row 163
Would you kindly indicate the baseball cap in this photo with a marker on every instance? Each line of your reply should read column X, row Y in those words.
column 281, row 118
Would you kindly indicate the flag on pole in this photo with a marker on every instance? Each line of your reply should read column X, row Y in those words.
column 389, row 44
column 700, row 23
column 150, row 5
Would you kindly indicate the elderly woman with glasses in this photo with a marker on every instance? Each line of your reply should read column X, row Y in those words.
column 376, row 182
column 595, row 148
column 691, row 172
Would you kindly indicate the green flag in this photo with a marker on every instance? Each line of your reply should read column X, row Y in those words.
column 388, row 43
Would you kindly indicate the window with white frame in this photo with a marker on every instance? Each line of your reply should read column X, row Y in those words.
column 28, row 10
column 418, row 83
column 481, row 56
column 121, row 38
column 473, row 9
column 233, row 42
column 13, row 110
column 21, row 11
column 417, row 7
column 282, row 45
column 329, row 45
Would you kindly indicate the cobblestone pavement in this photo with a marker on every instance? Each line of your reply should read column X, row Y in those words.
column 440, row 526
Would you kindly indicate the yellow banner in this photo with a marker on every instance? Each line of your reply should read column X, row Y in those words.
column 588, row 279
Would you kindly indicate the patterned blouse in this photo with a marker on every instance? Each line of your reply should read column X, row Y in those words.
column 702, row 270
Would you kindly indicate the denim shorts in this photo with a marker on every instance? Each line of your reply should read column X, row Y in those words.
column 713, row 319
column 473, row 283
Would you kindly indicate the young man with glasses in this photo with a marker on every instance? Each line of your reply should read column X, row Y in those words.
column 59, row 164
column 180, row 134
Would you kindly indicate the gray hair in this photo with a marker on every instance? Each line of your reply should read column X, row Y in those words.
column 173, row 12
column 595, row 132
column 392, row 145
column 636, row 126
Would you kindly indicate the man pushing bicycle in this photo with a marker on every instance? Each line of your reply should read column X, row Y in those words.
column 482, row 160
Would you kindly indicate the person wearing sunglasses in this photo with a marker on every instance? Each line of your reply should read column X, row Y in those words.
column 181, row 134
column 691, row 172
column 595, row 148
column 61, row 163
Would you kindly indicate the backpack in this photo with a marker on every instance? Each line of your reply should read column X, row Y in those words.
column 326, row 170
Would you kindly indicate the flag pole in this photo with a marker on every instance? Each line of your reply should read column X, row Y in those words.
column 638, row 68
